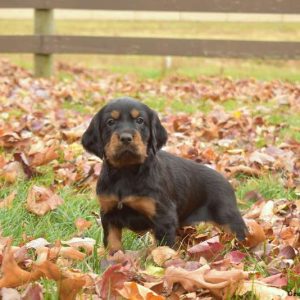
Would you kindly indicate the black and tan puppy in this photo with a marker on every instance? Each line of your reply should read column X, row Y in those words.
column 144, row 188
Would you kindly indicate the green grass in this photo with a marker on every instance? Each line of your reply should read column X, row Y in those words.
column 290, row 125
column 269, row 186
column 55, row 225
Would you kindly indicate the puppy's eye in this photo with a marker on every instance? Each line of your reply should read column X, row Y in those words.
column 110, row 122
column 139, row 120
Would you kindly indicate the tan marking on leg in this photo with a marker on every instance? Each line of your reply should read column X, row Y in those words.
column 134, row 113
column 107, row 202
column 115, row 114
column 114, row 238
column 144, row 205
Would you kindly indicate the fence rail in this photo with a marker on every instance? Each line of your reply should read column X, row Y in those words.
column 148, row 46
column 44, row 43
column 224, row 6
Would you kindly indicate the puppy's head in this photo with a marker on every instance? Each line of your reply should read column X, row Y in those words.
column 124, row 132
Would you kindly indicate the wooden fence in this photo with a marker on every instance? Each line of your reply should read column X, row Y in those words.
column 44, row 42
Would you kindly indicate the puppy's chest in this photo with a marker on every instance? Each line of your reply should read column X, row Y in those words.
column 142, row 204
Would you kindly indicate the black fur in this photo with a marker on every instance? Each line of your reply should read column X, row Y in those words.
column 185, row 192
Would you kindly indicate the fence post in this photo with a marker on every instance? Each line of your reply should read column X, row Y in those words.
column 43, row 25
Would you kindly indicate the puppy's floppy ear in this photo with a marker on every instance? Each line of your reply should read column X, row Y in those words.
column 159, row 134
column 91, row 139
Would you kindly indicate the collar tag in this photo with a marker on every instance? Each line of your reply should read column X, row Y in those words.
column 120, row 205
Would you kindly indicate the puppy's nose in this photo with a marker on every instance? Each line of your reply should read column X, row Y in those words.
column 126, row 138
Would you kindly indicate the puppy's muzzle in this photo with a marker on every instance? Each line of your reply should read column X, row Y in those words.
column 126, row 148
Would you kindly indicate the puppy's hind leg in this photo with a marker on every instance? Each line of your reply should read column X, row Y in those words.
column 199, row 215
column 230, row 217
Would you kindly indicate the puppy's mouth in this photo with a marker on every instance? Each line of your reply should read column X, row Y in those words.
column 126, row 152
column 121, row 155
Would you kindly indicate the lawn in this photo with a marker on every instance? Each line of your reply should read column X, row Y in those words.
column 247, row 129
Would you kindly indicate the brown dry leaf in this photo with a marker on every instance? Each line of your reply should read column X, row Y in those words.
column 2, row 161
column 134, row 291
column 86, row 243
column 37, row 243
column 209, row 155
column 10, row 294
column 277, row 280
column 261, row 290
column 74, row 133
column 33, row 292
column 218, row 282
column 44, row 157
column 255, row 210
column 113, row 280
column 162, row 254
column 261, row 158
column 82, row 225
column 13, row 275
column 245, row 170
column 236, row 256
column 72, row 253
column 12, row 140
column 267, row 211
column 255, row 234
column 289, row 236
column 7, row 202
column 69, row 287
column 41, row 200
column 208, row 249
column 13, row 171
column 48, row 269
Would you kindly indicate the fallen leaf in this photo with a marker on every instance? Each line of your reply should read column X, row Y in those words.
column 10, row 294
column 13, row 171
column 44, row 157
column 255, row 234
column 245, row 170
column 7, row 202
column 28, row 169
column 82, row 225
column 41, row 200
column 163, row 253
column 34, row 291
column 72, row 253
column 13, row 275
column 69, row 288
column 277, row 280
column 220, row 283
column 261, row 290
column 37, row 243
column 207, row 249
column 261, row 158
column 112, row 280
column 255, row 210
column 267, row 211
column 236, row 256
column 287, row 252
column 86, row 243
column 134, row 291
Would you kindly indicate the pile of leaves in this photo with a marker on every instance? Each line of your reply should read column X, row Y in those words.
column 41, row 123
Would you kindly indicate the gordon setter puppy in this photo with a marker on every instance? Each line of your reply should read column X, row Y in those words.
column 144, row 188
